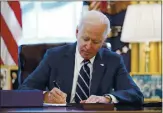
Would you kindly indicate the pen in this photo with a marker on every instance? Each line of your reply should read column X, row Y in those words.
column 56, row 84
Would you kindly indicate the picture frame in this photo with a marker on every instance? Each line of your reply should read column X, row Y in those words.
column 8, row 75
column 14, row 74
column 150, row 85
column 5, row 78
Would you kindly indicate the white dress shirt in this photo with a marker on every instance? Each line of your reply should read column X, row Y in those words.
column 78, row 65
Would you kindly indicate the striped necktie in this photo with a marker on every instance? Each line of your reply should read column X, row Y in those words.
column 83, row 83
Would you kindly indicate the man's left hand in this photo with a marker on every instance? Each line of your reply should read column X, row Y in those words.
column 96, row 99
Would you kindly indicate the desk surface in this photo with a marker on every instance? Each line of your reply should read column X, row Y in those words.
column 74, row 109
column 63, row 110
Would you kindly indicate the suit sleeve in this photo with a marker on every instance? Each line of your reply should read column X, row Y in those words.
column 126, row 91
column 38, row 79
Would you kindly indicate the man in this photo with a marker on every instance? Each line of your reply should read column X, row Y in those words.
column 85, row 72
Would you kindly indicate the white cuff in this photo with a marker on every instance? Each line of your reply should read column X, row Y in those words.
column 114, row 100
column 44, row 92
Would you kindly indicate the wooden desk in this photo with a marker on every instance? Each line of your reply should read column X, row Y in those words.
column 74, row 109
column 64, row 110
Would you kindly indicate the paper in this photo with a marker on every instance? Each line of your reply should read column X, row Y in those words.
column 50, row 104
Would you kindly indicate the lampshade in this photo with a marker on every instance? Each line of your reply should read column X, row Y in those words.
column 142, row 23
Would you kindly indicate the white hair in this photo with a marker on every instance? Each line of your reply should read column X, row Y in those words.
column 96, row 17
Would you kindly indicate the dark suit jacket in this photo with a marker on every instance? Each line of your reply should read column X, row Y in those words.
column 58, row 64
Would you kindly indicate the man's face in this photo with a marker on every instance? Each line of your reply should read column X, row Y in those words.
column 90, row 38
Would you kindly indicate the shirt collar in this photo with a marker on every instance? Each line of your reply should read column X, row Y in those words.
column 80, row 58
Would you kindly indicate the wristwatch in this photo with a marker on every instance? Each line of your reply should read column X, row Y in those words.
column 109, row 98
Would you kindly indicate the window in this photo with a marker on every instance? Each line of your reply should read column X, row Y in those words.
column 49, row 22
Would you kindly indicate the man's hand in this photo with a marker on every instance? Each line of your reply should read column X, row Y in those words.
column 96, row 99
column 55, row 96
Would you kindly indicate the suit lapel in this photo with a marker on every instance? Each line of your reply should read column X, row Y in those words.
column 98, row 69
column 67, row 71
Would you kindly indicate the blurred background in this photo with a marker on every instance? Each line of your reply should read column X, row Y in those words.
column 135, row 35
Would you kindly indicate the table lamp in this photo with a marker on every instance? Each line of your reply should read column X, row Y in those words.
column 142, row 24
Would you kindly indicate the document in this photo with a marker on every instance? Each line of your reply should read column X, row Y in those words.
column 51, row 104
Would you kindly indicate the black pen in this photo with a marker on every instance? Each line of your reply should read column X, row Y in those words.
column 56, row 84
